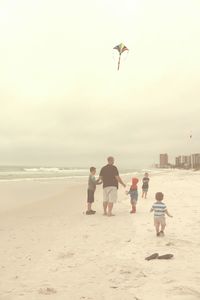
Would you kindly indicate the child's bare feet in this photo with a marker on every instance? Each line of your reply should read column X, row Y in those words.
column 110, row 215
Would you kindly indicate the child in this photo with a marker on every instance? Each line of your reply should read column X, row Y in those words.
column 92, row 182
column 160, row 210
column 133, row 192
column 145, row 185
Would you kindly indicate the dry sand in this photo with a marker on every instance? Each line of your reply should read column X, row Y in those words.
column 51, row 250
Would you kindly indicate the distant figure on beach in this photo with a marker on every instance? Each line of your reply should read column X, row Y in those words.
column 145, row 185
column 110, row 176
column 160, row 210
column 92, row 182
column 133, row 192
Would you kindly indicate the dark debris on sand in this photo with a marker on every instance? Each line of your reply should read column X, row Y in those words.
column 157, row 256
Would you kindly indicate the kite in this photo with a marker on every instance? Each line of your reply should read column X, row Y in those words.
column 120, row 48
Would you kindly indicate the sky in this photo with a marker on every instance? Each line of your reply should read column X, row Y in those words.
column 62, row 100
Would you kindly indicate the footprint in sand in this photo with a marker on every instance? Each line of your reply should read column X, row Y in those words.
column 54, row 270
column 65, row 255
column 183, row 242
column 72, row 266
column 47, row 291
column 85, row 236
column 184, row 290
column 170, row 244
column 125, row 272
column 168, row 281
column 141, row 274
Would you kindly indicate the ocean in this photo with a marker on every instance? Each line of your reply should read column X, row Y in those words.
column 17, row 173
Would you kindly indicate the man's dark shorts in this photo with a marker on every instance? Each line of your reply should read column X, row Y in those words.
column 90, row 196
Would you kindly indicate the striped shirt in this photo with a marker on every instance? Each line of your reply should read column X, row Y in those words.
column 159, row 209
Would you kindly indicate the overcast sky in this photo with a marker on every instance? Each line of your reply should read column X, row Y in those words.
column 62, row 100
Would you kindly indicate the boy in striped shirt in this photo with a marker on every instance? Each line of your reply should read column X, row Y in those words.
column 160, row 210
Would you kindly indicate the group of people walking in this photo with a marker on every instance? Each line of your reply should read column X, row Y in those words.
column 109, row 177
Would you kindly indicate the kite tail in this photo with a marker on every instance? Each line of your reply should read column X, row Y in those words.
column 119, row 62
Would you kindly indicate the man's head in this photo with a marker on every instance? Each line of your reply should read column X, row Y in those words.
column 93, row 170
column 159, row 196
column 110, row 160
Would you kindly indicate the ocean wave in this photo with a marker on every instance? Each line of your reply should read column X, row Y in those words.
column 19, row 179
column 54, row 170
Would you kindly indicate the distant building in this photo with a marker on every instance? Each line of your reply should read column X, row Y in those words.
column 164, row 160
column 183, row 161
column 195, row 163
column 178, row 162
column 186, row 161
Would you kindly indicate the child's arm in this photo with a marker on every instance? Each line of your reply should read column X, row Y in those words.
column 152, row 209
column 167, row 213
column 98, row 181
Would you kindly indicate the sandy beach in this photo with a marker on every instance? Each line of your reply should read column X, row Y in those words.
column 51, row 250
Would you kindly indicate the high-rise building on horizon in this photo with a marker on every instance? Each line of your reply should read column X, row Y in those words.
column 183, row 161
column 178, row 161
column 191, row 161
column 164, row 160
column 195, row 160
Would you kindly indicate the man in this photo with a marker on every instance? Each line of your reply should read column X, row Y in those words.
column 110, row 176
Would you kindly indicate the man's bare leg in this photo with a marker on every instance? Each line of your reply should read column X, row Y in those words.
column 105, row 205
column 110, row 207
column 89, row 206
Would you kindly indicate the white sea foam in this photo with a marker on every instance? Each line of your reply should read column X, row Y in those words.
column 54, row 170
column 40, row 173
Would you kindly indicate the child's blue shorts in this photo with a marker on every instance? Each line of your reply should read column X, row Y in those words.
column 134, row 195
